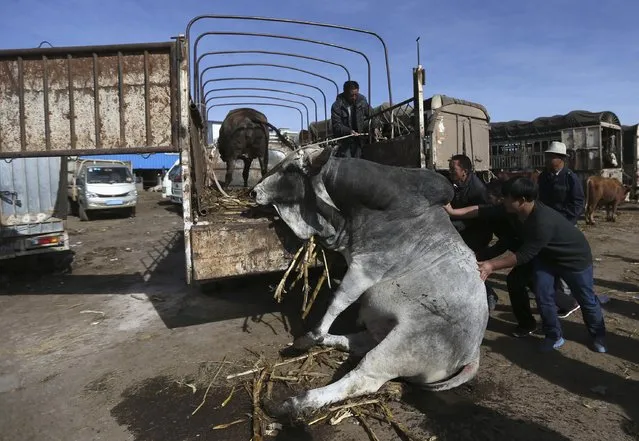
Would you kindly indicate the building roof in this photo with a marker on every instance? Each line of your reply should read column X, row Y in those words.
column 153, row 161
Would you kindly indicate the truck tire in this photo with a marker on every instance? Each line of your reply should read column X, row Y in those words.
column 82, row 213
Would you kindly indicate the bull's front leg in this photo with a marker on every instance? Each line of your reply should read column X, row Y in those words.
column 354, row 284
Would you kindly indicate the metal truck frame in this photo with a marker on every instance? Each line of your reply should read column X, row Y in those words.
column 140, row 99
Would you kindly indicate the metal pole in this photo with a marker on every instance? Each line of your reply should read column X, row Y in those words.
column 306, row 23
column 279, row 66
column 284, row 54
column 418, row 57
column 283, row 37
column 273, row 80
column 308, row 121
column 418, row 115
column 263, row 89
column 258, row 104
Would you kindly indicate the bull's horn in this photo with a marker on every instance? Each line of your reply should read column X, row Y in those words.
column 315, row 159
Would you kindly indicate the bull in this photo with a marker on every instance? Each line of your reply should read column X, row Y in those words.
column 604, row 191
column 422, row 301
column 244, row 134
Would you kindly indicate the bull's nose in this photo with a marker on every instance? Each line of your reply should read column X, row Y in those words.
column 253, row 194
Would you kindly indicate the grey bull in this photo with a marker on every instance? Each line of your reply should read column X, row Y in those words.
column 423, row 303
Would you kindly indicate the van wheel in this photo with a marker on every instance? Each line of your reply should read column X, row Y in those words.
column 82, row 213
column 132, row 212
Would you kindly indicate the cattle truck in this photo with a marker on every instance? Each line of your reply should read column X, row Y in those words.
column 593, row 142
column 33, row 207
column 141, row 98
column 631, row 157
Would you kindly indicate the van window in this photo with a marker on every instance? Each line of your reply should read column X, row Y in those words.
column 175, row 170
column 108, row 175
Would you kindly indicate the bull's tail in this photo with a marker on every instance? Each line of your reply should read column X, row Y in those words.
column 466, row 374
column 281, row 137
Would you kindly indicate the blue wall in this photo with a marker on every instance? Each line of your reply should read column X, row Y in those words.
column 154, row 161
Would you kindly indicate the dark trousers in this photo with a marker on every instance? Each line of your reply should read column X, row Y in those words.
column 519, row 280
column 581, row 285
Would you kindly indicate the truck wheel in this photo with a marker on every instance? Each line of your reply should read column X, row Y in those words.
column 82, row 213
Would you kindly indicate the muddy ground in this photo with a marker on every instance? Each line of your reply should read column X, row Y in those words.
column 106, row 352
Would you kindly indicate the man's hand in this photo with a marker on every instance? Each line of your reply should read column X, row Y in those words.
column 485, row 269
column 448, row 209
column 354, row 133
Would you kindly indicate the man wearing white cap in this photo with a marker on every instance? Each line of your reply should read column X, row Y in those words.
column 561, row 189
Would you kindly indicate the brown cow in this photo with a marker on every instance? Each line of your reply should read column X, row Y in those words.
column 604, row 191
column 506, row 175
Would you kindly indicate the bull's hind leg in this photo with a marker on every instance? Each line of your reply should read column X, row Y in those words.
column 229, row 172
column 386, row 361
column 246, row 171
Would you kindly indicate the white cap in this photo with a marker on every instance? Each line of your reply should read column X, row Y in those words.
column 558, row 148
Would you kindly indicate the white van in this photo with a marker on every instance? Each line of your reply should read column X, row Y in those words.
column 167, row 181
column 101, row 185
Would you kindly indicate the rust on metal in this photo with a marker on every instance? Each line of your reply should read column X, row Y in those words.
column 121, row 101
column 147, row 106
column 45, row 88
column 23, row 131
column 88, row 100
column 96, row 100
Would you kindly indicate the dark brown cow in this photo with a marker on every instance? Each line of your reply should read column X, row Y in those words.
column 604, row 191
column 244, row 135
column 505, row 175
column 304, row 137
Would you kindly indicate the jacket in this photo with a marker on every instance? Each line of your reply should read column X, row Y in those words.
column 563, row 192
column 340, row 118
column 477, row 233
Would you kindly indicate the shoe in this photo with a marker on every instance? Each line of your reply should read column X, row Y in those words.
column 599, row 346
column 520, row 332
column 550, row 344
column 562, row 313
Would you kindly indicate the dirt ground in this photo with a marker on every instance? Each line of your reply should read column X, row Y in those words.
column 110, row 350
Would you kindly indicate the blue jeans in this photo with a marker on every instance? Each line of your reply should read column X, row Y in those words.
column 581, row 285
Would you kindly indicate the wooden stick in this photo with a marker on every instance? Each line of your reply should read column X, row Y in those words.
column 282, row 363
column 229, row 397
column 280, row 286
column 210, row 384
column 316, row 291
column 224, row 426
column 351, row 405
column 257, row 386
column 328, row 275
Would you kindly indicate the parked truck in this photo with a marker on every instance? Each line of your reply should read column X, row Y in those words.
column 33, row 207
column 99, row 185
column 143, row 98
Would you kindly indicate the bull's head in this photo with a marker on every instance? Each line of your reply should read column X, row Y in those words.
column 296, row 189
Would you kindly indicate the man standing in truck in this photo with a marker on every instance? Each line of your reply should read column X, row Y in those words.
column 349, row 115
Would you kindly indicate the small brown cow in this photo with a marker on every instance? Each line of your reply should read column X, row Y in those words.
column 604, row 191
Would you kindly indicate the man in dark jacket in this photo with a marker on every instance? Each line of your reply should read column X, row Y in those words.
column 561, row 190
column 469, row 190
column 349, row 115
column 556, row 249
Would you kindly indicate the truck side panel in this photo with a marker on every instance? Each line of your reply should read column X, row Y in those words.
column 88, row 100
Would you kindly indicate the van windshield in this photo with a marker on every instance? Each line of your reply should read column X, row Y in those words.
column 108, row 175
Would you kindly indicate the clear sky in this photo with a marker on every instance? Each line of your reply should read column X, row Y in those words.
column 519, row 59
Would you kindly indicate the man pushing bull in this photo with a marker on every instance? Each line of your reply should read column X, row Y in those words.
column 349, row 114
column 554, row 249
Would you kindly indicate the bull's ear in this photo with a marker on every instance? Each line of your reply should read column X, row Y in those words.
column 314, row 160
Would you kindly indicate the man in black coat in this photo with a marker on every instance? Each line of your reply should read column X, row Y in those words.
column 349, row 115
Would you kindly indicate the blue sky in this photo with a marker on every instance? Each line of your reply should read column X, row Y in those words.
column 520, row 60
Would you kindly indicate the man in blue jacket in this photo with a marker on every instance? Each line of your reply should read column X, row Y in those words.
column 349, row 115
column 561, row 189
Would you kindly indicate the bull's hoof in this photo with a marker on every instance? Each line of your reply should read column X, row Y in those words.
column 307, row 341
column 284, row 411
